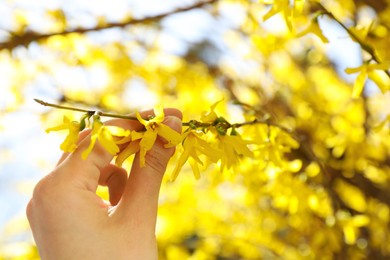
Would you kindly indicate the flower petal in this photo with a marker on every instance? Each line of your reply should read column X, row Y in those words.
column 378, row 66
column 211, row 116
column 187, row 146
column 117, row 131
column 73, row 127
column 125, row 139
column 194, row 155
column 359, row 84
column 69, row 144
column 96, row 128
column 140, row 119
column 137, row 135
column 159, row 114
column 353, row 70
column 65, row 125
column 171, row 136
column 195, row 169
column 238, row 144
column 87, row 151
column 132, row 148
column 146, row 144
column 212, row 153
column 107, row 141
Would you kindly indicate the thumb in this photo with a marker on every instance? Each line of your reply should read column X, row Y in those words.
column 140, row 198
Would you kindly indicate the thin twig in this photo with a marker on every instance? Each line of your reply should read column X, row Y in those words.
column 91, row 112
column 192, row 123
column 29, row 36
column 370, row 50
column 46, row 104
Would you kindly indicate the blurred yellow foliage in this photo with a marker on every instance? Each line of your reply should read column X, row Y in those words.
column 292, row 162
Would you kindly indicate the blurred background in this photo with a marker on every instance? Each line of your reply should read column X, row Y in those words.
column 316, row 73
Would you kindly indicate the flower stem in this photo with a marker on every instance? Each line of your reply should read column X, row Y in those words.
column 91, row 112
column 369, row 49
column 194, row 124
column 46, row 104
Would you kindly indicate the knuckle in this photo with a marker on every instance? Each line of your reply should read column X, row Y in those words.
column 29, row 210
column 40, row 190
column 38, row 200
column 43, row 191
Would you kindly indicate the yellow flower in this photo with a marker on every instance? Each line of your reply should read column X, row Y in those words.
column 380, row 126
column 130, row 149
column 232, row 147
column 365, row 70
column 193, row 145
column 315, row 29
column 69, row 144
column 104, row 134
column 283, row 7
column 211, row 116
column 275, row 145
column 153, row 128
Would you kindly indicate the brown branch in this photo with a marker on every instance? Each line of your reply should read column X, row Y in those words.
column 30, row 36
column 378, row 5
column 366, row 47
column 369, row 189
column 91, row 112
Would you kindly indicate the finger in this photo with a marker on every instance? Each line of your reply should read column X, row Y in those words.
column 115, row 179
column 87, row 172
column 140, row 198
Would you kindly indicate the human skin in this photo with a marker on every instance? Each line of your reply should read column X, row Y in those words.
column 68, row 219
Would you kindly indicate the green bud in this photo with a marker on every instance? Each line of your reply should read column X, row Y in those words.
column 233, row 132
column 82, row 124
column 192, row 124
column 220, row 120
column 221, row 130
column 83, row 119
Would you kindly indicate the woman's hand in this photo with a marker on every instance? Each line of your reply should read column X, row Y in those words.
column 68, row 219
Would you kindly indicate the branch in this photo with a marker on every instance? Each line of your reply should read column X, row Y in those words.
column 91, row 112
column 369, row 189
column 370, row 50
column 30, row 36
column 220, row 123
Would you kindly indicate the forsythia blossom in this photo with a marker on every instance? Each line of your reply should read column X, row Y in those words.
column 69, row 144
column 365, row 70
column 233, row 146
column 315, row 29
column 211, row 116
column 193, row 145
column 104, row 134
column 283, row 7
column 218, row 147
column 130, row 149
column 154, row 127
column 205, row 141
column 276, row 145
